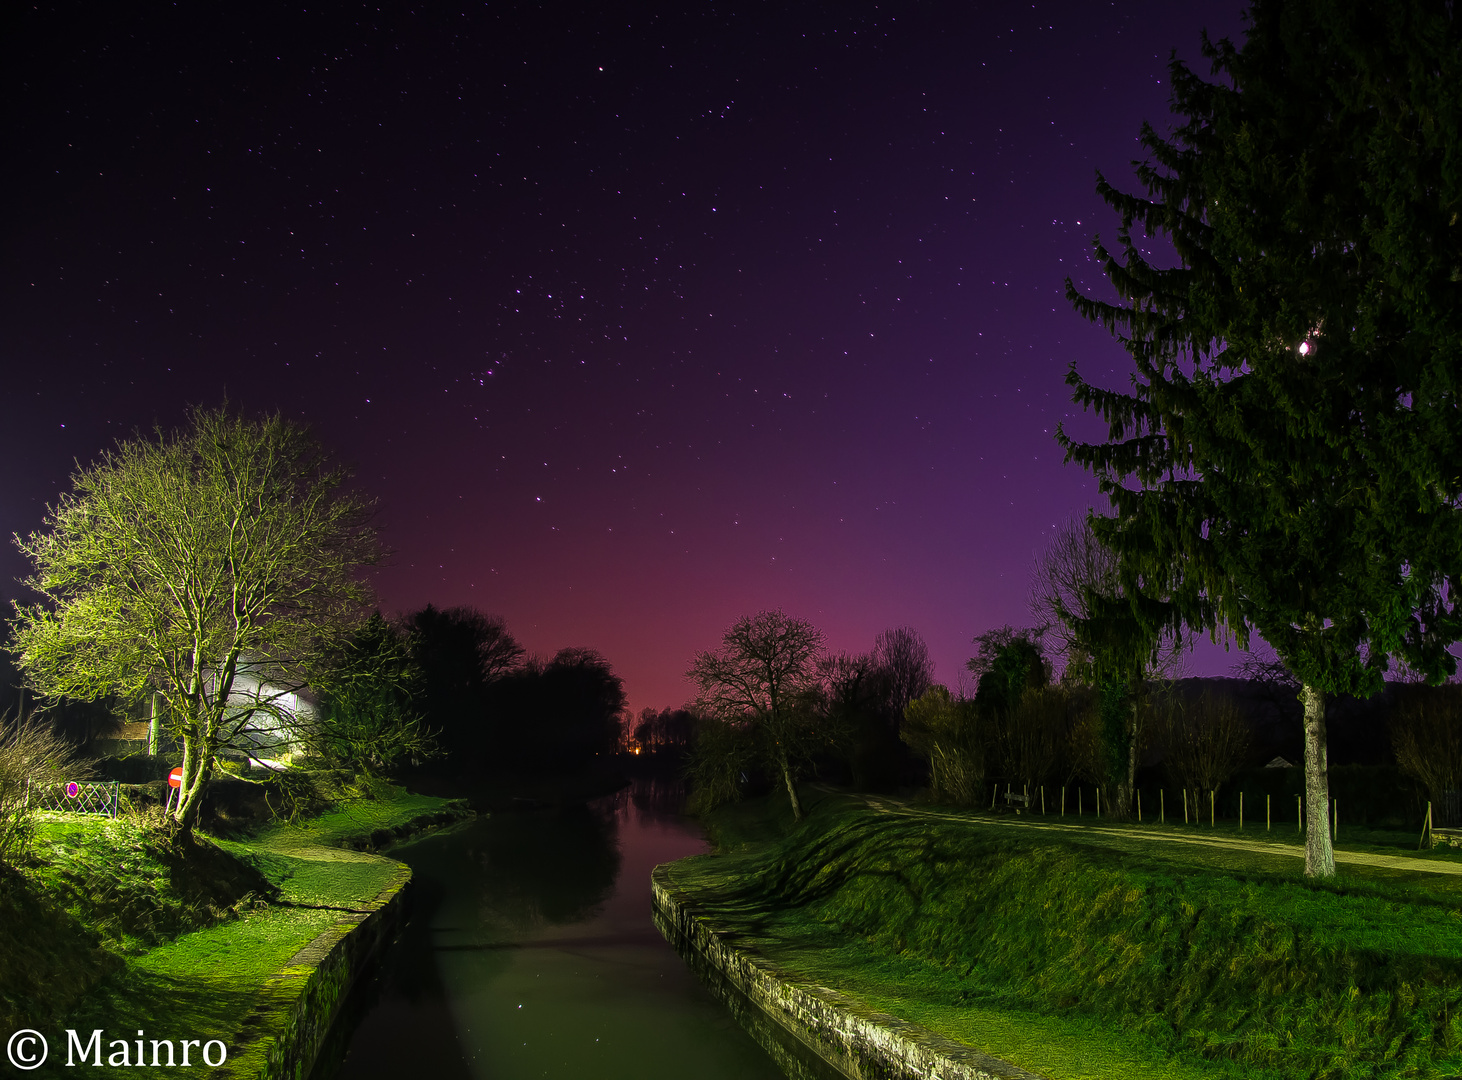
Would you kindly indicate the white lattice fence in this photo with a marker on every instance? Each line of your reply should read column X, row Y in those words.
column 77, row 797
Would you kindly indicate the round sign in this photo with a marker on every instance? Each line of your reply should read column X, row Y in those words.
column 73, row 789
column 175, row 778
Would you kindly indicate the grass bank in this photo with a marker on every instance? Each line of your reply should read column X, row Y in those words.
column 1079, row 955
column 113, row 925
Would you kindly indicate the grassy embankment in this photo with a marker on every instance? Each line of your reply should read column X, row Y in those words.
column 1086, row 954
column 114, row 926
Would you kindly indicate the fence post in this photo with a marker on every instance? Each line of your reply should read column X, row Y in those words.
column 1241, row 811
column 1162, row 810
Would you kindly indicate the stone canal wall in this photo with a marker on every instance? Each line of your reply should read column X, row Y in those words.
column 856, row 1041
column 296, row 1008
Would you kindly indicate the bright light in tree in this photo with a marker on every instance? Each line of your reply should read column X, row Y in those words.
column 1304, row 348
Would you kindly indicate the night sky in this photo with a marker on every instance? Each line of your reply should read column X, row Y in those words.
column 633, row 323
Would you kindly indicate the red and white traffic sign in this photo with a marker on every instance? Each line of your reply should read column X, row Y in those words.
column 175, row 778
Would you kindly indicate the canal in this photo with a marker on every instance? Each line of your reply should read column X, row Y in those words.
column 531, row 953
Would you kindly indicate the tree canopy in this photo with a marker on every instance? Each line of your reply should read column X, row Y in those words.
column 217, row 565
column 1286, row 461
column 365, row 718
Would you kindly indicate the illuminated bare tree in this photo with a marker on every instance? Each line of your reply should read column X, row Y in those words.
column 217, row 565
column 946, row 731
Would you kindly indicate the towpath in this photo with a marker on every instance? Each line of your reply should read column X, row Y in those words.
column 1126, row 833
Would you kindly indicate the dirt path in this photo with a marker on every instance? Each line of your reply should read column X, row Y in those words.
column 885, row 805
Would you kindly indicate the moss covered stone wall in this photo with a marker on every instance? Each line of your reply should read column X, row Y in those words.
column 856, row 1041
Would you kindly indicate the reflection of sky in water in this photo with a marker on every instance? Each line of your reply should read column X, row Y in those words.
column 529, row 956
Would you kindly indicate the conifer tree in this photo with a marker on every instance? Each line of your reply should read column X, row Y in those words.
column 1288, row 461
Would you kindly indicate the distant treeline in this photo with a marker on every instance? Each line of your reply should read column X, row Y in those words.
column 451, row 686
column 773, row 707
column 493, row 708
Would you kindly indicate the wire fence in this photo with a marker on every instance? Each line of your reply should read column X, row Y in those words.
column 77, row 797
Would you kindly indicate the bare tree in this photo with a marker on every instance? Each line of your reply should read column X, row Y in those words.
column 1032, row 736
column 217, row 565
column 1074, row 566
column 764, row 679
column 1426, row 730
column 904, row 659
column 1204, row 741
column 1074, row 583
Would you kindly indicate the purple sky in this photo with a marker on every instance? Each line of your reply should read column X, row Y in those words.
column 633, row 325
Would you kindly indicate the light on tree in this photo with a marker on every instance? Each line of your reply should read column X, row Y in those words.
column 217, row 565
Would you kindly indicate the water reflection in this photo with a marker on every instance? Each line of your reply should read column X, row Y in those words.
column 532, row 953
column 543, row 868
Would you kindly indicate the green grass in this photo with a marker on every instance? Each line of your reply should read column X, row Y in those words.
column 250, row 948
column 384, row 816
column 49, row 961
column 134, row 886
column 1083, row 953
column 115, row 925
column 315, row 861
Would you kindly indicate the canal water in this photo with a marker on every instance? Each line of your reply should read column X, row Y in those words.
column 531, row 953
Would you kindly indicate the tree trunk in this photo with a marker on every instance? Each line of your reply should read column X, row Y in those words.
column 154, row 726
column 1126, row 790
column 792, row 790
column 1319, row 856
column 195, row 775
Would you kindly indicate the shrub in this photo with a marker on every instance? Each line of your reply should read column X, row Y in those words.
column 945, row 730
column 32, row 756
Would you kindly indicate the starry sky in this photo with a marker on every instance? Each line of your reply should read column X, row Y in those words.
column 634, row 318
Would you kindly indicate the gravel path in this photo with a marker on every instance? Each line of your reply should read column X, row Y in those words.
column 885, row 805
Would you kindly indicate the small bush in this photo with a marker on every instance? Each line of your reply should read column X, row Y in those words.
column 32, row 757
column 945, row 730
